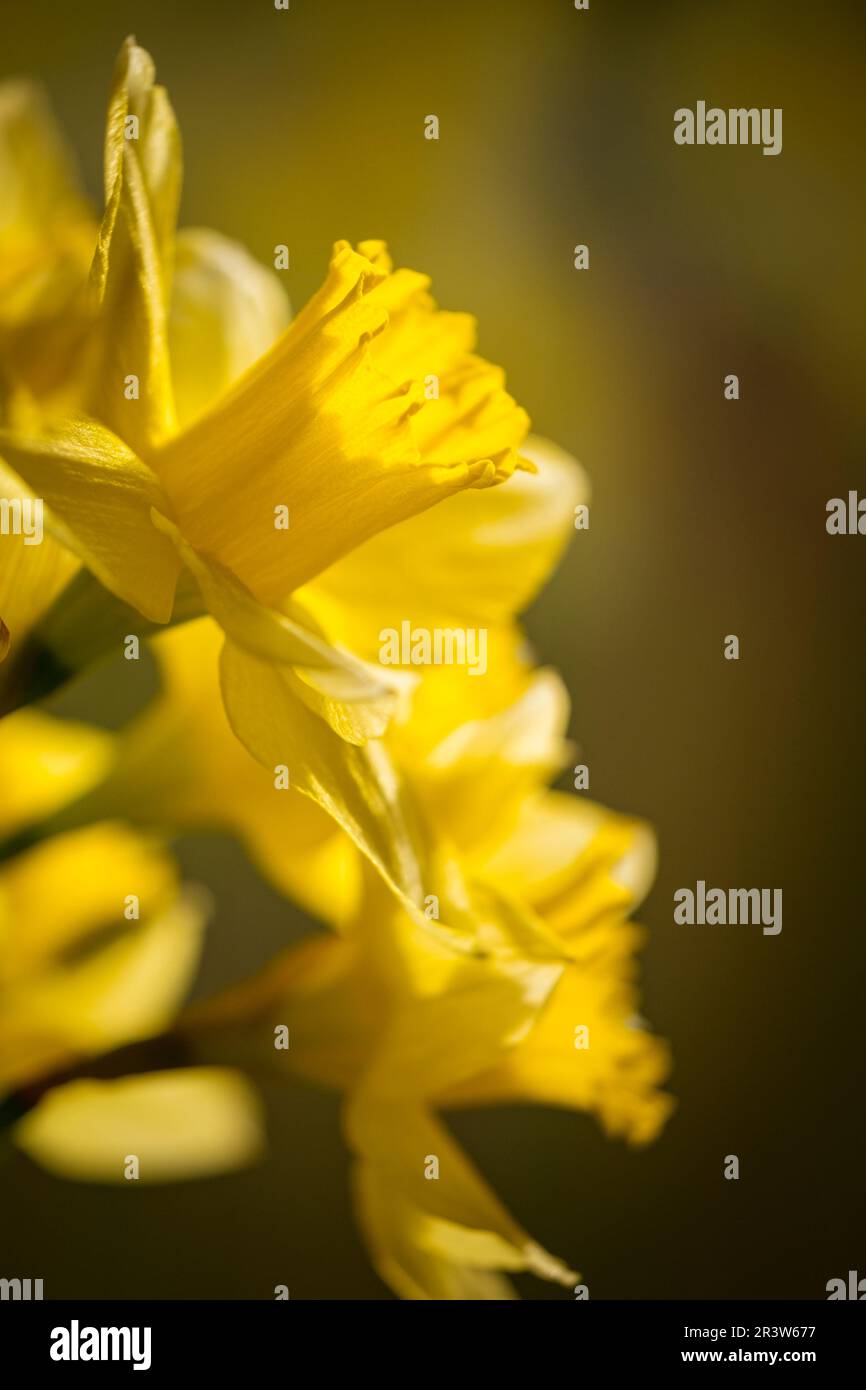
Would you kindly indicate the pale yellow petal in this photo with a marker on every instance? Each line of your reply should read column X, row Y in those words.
column 112, row 994
column 197, row 1122
column 356, row 785
column 305, row 856
column 31, row 575
column 476, row 560
column 401, row 1240
column 46, row 763
column 99, row 497
column 354, row 698
column 400, row 1000
column 226, row 311
column 47, row 233
column 573, row 859
column 477, row 779
column 469, row 1014
column 182, row 765
column 455, row 1217
column 613, row 1069
column 64, row 890
column 450, row 695
column 179, row 766
column 323, row 990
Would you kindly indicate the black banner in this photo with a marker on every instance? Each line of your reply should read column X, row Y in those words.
column 244, row 1338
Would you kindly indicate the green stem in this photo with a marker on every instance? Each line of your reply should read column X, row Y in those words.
column 84, row 625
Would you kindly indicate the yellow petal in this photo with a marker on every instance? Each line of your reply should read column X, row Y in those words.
column 100, row 497
column 477, row 779
column 317, row 427
column 398, row 999
column 179, row 765
column 456, row 1017
column 404, row 1001
column 356, row 785
column 573, row 860
column 616, row 1076
column 113, row 994
column 457, row 1219
column 31, row 576
column 226, row 311
column 323, row 990
column 354, row 698
column 401, row 1239
column 484, row 1012
column 304, row 855
column 475, row 561
column 196, row 1122
column 432, row 700
column 46, row 763
column 421, row 338
column 448, row 696
column 73, row 886
column 133, row 262
column 466, row 414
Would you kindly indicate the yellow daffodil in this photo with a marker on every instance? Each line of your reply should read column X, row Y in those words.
column 329, row 429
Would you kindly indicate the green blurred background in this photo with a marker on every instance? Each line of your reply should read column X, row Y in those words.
column 707, row 519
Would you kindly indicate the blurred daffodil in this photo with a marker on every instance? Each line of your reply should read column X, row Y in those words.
column 192, row 1122
column 99, row 945
column 407, row 1022
column 83, row 977
column 47, row 763
column 47, row 236
column 407, row 1027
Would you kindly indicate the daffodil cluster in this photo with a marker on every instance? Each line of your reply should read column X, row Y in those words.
column 258, row 495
